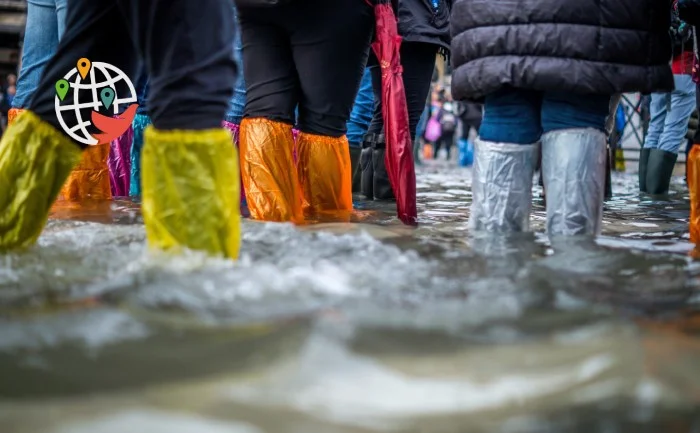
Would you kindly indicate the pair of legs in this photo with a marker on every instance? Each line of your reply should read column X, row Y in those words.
column 571, row 131
column 44, row 28
column 445, row 141
column 418, row 62
column 307, row 57
column 667, row 129
column 190, row 182
column 46, row 23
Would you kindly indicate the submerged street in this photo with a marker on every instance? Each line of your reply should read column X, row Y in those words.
column 357, row 327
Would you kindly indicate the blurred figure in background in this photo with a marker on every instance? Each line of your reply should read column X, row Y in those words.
column 448, row 127
column 470, row 115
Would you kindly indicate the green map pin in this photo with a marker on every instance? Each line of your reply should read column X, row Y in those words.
column 107, row 97
column 62, row 87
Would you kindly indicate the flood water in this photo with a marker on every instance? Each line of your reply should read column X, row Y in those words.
column 357, row 327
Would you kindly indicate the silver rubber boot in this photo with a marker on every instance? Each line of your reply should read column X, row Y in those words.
column 502, row 187
column 573, row 166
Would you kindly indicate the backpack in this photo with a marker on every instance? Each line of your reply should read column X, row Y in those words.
column 448, row 119
column 681, row 33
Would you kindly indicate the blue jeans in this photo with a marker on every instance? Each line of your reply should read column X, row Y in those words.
column 522, row 116
column 46, row 22
column 669, row 115
column 235, row 111
column 362, row 111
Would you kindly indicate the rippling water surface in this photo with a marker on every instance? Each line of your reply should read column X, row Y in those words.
column 366, row 326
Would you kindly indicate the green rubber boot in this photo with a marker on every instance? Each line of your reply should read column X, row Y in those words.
column 659, row 171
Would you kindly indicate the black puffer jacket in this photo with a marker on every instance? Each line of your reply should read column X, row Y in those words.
column 420, row 22
column 579, row 46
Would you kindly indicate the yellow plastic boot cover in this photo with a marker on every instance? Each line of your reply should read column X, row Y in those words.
column 269, row 174
column 191, row 191
column 694, row 190
column 325, row 175
column 90, row 179
column 35, row 160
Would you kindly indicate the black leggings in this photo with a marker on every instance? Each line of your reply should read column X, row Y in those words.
column 418, row 61
column 186, row 46
column 310, row 54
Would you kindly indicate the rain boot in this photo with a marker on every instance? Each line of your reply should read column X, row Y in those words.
column 502, row 186
column 366, row 168
column 234, row 129
column 643, row 162
column 693, row 165
column 35, row 161
column 381, row 185
column 270, row 176
column 573, row 164
column 141, row 121
column 355, row 154
column 191, row 191
column 325, row 174
column 90, row 178
column 659, row 171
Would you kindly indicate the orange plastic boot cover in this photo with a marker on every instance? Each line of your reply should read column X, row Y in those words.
column 269, row 174
column 694, row 190
column 325, row 173
column 90, row 179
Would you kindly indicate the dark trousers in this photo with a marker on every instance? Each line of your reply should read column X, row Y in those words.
column 418, row 61
column 445, row 140
column 308, row 55
column 184, row 44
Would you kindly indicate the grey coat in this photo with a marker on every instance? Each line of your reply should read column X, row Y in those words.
column 578, row 46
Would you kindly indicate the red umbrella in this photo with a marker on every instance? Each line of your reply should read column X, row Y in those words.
column 399, row 143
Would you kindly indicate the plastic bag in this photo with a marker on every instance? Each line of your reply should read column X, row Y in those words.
column 433, row 130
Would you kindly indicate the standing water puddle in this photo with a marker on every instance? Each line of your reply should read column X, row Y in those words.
column 356, row 327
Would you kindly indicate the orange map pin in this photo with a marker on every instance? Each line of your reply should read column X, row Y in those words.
column 84, row 67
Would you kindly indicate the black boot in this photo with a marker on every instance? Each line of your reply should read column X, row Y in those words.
column 381, row 184
column 659, row 171
column 355, row 153
column 366, row 168
column 643, row 162
column 608, row 173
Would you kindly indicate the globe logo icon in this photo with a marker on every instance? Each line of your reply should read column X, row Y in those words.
column 95, row 97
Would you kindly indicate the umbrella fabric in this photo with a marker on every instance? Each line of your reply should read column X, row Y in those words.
column 399, row 144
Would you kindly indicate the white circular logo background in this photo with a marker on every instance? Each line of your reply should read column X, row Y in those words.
column 90, row 90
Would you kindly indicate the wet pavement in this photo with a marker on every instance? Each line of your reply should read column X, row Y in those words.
column 365, row 326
